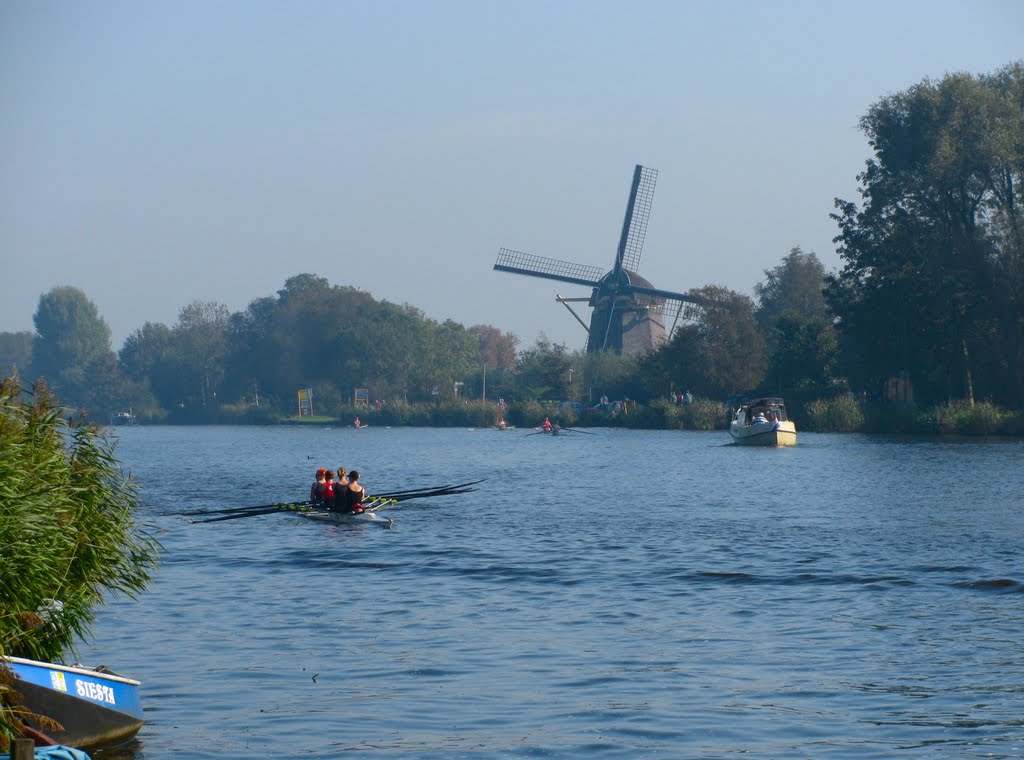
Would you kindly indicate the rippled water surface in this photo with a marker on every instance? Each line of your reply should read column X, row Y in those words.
column 617, row 594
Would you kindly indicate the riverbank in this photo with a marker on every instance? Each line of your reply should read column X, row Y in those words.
column 842, row 414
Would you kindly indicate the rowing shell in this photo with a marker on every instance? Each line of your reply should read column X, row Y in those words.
column 340, row 518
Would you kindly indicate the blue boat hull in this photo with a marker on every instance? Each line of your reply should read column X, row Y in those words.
column 95, row 707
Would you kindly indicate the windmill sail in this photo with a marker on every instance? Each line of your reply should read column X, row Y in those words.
column 552, row 269
column 634, row 226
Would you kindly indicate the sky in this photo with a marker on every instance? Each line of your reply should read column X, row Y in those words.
column 157, row 153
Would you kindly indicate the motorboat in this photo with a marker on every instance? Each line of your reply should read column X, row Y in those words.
column 763, row 422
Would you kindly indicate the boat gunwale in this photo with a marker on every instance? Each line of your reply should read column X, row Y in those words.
column 81, row 670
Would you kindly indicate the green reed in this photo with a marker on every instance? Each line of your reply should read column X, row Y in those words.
column 965, row 418
column 704, row 414
column 68, row 532
column 841, row 414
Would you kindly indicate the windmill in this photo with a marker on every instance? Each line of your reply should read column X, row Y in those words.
column 628, row 314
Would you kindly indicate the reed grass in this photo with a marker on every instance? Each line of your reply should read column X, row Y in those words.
column 964, row 418
column 68, row 532
column 658, row 415
column 704, row 414
column 841, row 414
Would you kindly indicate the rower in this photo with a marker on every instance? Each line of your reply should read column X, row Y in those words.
column 547, row 425
column 318, row 484
column 350, row 499
column 328, row 489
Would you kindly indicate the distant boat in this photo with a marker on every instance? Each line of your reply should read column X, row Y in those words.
column 123, row 418
column 95, row 706
column 763, row 422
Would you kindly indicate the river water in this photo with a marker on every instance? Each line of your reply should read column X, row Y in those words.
column 615, row 594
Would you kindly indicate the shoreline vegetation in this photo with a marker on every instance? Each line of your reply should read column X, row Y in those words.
column 842, row 414
column 68, row 534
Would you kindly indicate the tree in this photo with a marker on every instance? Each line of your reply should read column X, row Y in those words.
column 796, row 284
column 720, row 353
column 70, row 335
column 200, row 342
column 607, row 373
column 15, row 351
column 497, row 350
column 806, row 354
column 144, row 350
column 543, row 371
column 933, row 283
column 314, row 334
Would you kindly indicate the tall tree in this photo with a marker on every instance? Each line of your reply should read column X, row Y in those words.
column 70, row 335
column 15, row 352
column 796, row 284
column 720, row 353
column 147, row 361
column 497, row 349
column 200, row 340
column 932, row 282
column 144, row 349
column 806, row 355
column 543, row 371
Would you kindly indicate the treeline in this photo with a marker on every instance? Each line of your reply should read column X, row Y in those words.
column 928, row 308
column 211, row 362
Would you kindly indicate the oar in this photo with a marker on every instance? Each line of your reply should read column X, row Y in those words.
column 432, row 489
column 574, row 430
column 377, row 504
column 244, row 514
column 437, row 492
column 415, row 490
column 451, row 492
column 245, row 509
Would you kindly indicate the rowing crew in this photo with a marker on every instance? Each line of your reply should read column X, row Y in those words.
column 343, row 495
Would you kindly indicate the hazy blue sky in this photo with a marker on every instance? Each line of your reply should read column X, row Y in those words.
column 156, row 153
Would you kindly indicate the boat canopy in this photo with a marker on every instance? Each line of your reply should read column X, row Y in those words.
column 767, row 404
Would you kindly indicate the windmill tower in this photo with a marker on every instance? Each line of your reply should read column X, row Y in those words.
column 629, row 314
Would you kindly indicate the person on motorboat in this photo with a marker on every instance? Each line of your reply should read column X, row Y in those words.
column 759, row 417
